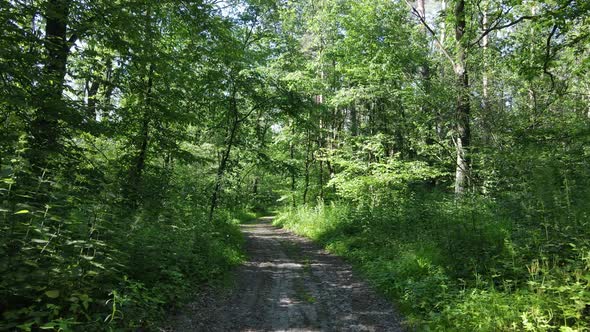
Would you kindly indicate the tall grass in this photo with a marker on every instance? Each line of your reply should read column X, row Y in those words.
column 456, row 265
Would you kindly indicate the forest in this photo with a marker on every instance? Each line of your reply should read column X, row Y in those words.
column 441, row 147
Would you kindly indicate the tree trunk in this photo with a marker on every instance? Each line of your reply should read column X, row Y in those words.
column 421, row 7
column 354, row 124
column 307, row 165
column 485, row 103
column 485, row 43
column 44, row 129
column 92, row 95
column 462, row 172
column 136, row 173
column 255, row 186
column 425, row 69
column 320, row 151
column 443, row 28
column 321, row 180
column 109, row 88
column 292, row 170
column 226, row 154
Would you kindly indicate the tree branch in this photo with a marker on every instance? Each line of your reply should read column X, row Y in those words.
column 497, row 26
column 247, row 115
column 431, row 31
column 504, row 26
column 548, row 56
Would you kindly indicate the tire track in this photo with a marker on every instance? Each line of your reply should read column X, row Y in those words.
column 289, row 284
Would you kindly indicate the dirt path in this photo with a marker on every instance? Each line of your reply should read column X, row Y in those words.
column 289, row 284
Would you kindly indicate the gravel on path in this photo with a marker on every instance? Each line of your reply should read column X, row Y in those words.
column 289, row 284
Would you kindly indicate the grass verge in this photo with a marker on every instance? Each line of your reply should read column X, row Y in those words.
column 456, row 266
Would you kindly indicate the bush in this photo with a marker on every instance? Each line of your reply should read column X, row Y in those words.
column 455, row 264
column 73, row 257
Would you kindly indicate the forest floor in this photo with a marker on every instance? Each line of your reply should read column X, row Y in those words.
column 289, row 284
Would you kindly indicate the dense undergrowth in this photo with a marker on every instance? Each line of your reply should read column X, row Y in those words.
column 76, row 256
column 461, row 265
column 133, row 135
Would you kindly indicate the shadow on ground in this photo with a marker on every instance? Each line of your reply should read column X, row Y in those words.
column 289, row 284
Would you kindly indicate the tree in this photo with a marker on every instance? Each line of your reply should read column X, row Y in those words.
column 44, row 128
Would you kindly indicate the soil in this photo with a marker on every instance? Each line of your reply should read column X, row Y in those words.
column 289, row 284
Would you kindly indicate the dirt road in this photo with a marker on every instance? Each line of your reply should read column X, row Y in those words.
column 290, row 284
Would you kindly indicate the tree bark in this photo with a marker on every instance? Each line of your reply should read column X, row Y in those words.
column 462, row 143
column 91, row 104
column 292, row 161
column 425, row 69
column 321, row 166
column 354, row 124
column 307, row 165
column 421, row 7
column 44, row 128
column 109, row 88
column 136, row 173
column 485, row 100
column 255, row 186
column 226, row 154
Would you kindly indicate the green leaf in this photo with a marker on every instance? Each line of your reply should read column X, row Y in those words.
column 22, row 212
column 52, row 293
column 48, row 326
column 100, row 266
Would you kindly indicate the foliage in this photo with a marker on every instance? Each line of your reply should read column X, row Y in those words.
column 455, row 266
column 489, row 98
column 87, row 264
column 112, row 113
column 136, row 135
